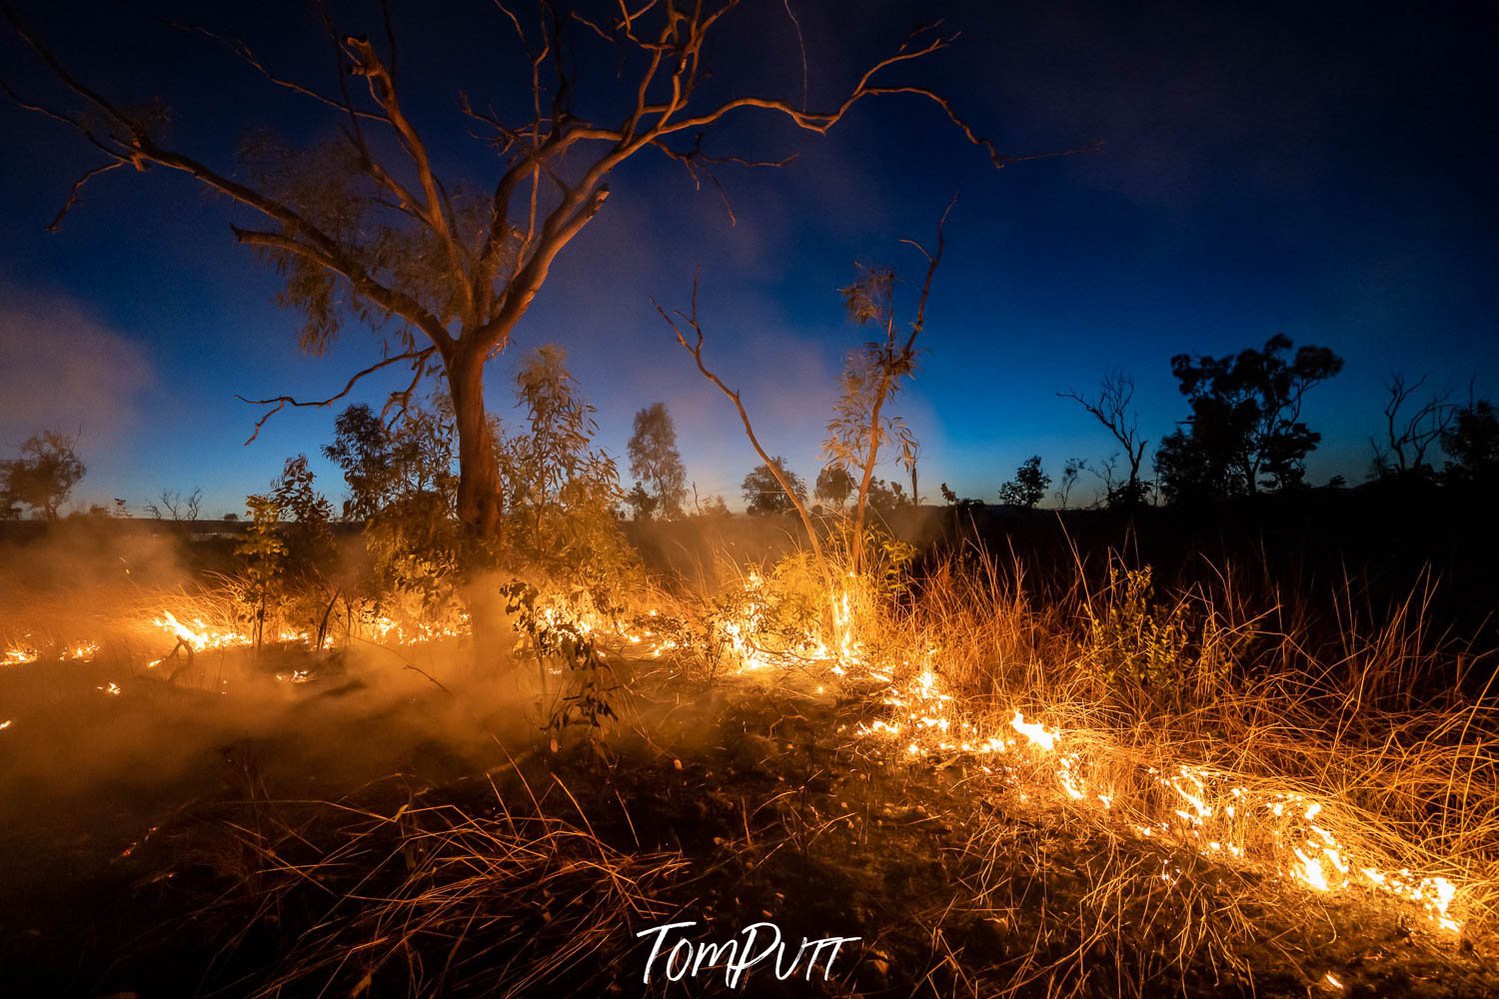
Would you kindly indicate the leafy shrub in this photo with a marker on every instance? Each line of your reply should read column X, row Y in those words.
column 1134, row 642
column 558, row 629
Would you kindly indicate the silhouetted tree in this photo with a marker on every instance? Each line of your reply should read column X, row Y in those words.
column 1111, row 407
column 834, row 484
column 1472, row 442
column 176, row 507
column 1070, row 472
column 951, row 498
column 43, row 475
column 887, row 497
column 1029, row 485
column 655, row 461
column 1245, row 431
column 764, row 492
column 1411, row 432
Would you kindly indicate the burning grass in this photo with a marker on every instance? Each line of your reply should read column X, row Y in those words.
column 1251, row 751
column 1111, row 788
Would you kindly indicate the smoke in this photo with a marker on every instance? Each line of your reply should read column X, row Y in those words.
column 106, row 743
column 63, row 369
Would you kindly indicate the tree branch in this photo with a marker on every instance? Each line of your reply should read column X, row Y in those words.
column 394, row 302
column 696, row 350
column 241, row 50
column 419, row 359
column 137, row 147
column 933, row 261
column 76, row 191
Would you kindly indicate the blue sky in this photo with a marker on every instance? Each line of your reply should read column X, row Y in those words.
column 1267, row 168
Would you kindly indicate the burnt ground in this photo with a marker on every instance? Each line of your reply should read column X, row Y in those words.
column 225, row 870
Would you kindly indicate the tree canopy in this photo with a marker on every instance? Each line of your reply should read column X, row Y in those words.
column 763, row 493
column 1029, row 485
column 372, row 228
column 43, row 476
column 655, row 461
column 1472, row 442
column 1245, row 431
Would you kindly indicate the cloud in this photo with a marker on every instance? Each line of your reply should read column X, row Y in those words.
column 61, row 368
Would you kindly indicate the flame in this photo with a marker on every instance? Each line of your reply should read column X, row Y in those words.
column 1216, row 816
column 1197, row 808
column 25, row 655
column 1035, row 732
column 20, row 656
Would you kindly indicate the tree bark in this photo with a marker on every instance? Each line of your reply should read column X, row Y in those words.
column 478, row 507
column 478, row 468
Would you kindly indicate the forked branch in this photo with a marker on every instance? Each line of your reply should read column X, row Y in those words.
column 401, row 398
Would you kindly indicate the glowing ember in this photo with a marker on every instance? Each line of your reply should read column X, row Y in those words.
column 1214, row 815
column 20, row 656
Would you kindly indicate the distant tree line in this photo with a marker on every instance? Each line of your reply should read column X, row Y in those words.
column 1244, row 435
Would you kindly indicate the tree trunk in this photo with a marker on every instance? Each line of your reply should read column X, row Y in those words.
column 478, row 506
column 478, row 469
column 856, row 553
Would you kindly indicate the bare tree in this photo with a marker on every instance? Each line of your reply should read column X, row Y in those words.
column 367, row 229
column 1111, row 407
column 176, row 507
column 1410, row 433
column 1073, row 468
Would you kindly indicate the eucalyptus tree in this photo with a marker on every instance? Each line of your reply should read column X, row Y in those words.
column 372, row 229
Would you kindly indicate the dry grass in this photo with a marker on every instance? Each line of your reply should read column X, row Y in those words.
column 437, row 899
column 1217, row 770
column 1255, row 744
